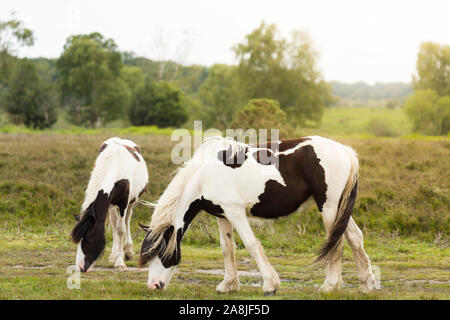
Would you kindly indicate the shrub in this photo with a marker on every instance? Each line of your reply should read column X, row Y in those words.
column 262, row 114
column 381, row 128
column 429, row 112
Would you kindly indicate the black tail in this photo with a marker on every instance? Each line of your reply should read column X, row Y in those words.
column 339, row 226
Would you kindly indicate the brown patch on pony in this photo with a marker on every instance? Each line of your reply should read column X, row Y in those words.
column 103, row 147
column 304, row 177
column 137, row 149
column 119, row 195
column 132, row 151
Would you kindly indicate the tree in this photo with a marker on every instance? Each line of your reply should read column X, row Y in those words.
column 220, row 95
column 262, row 114
column 429, row 113
column 90, row 82
column 433, row 68
column 12, row 35
column 429, row 106
column 158, row 103
column 29, row 99
column 275, row 68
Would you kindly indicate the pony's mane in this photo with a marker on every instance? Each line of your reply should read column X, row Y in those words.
column 165, row 208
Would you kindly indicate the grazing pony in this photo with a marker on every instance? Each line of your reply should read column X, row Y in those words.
column 231, row 180
column 118, row 179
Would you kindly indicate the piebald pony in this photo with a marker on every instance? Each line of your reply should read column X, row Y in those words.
column 231, row 180
column 118, row 179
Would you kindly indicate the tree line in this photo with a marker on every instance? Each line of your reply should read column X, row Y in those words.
column 96, row 83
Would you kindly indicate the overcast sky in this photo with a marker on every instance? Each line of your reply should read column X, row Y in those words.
column 356, row 40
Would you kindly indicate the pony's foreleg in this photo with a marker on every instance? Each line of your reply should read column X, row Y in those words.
column 119, row 229
column 113, row 218
column 230, row 282
column 333, row 280
column 354, row 237
column 239, row 221
column 128, row 250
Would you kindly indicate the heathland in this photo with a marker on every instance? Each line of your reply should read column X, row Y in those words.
column 403, row 209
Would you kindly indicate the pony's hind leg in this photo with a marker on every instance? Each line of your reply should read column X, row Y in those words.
column 354, row 237
column 238, row 219
column 128, row 250
column 333, row 280
column 230, row 281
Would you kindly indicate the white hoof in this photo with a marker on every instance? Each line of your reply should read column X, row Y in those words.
column 368, row 285
column 129, row 253
column 271, row 285
column 228, row 286
column 330, row 287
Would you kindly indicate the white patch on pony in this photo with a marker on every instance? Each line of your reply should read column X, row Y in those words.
column 79, row 262
column 115, row 163
column 157, row 272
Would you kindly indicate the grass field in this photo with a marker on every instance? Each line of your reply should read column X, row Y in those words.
column 403, row 209
column 378, row 121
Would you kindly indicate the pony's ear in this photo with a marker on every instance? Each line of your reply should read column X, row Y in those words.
column 84, row 225
column 77, row 217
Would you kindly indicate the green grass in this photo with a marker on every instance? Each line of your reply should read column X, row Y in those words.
column 341, row 121
column 403, row 209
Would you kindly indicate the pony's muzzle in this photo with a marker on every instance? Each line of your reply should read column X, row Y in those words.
column 156, row 285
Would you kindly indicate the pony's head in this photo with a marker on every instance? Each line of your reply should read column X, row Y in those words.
column 89, row 234
column 161, row 249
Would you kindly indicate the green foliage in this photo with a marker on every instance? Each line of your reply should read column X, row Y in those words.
column 29, row 99
column 262, row 114
column 158, row 103
column 90, row 80
column 433, row 64
column 272, row 67
column 12, row 35
column 220, row 95
column 429, row 113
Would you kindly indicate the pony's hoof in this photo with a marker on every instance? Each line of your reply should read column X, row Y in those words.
column 129, row 256
column 270, row 293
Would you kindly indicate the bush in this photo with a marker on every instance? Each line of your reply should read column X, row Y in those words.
column 158, row 103
column 429, row 113
column 381, row 128
column 262, row 114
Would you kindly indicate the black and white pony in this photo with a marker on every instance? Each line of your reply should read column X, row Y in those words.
column 117, row 180
column 231, row 180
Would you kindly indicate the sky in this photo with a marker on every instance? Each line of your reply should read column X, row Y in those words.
column 371, row 41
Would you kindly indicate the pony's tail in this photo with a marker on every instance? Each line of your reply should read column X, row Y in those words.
column 345, row 208
column 147, row 204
